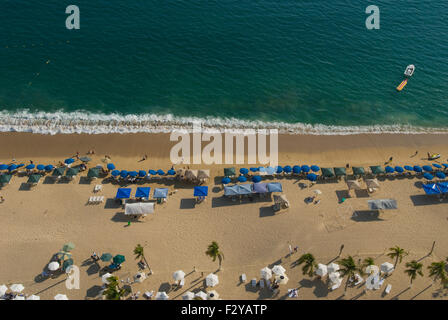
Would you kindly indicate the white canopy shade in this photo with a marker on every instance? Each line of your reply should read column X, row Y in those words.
column 332, row 267
column 3, row 290
column 17, row 287
column 372, row 269
column 201, row 294
column 278, row 270
column 178, row 275
column 211, row 280
column 105, row 277
column 212, row 295
column 162, row 296
column 321, row 270
column 188, row 295
column 335, row 277
column 140, row 277
column 53, row 266
column 266, row 273
column 281, row 279
column 33, row 297
column 139, row 208
column 60, row 296
column 387, row 267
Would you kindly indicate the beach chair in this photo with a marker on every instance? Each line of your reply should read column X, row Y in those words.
column 97, row 188
column 91, row 199
column 182, row 283
column 254, row 282
column 261, row 284
column 243, row 277
column 388, row 288
column 101, row 199
column 148, row 294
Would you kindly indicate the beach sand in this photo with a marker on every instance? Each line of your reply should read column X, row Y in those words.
column 37, row 222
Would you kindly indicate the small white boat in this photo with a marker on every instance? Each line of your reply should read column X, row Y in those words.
column 409, row 70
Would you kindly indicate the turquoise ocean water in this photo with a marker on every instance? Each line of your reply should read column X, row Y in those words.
column 299, row 65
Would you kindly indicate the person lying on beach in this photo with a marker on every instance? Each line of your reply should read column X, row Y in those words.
column 390, row 160
column 144, row 157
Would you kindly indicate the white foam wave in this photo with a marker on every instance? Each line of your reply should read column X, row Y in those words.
column 97, row 123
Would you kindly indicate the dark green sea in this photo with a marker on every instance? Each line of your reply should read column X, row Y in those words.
column 298, row 65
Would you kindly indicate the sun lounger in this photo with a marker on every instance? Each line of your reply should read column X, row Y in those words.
column 98, row 187
column 261, row 283
column 254, row 282
column 181, row 283
column 388, row 288
column 148, row 294
column 101, row 199
column 243, row 277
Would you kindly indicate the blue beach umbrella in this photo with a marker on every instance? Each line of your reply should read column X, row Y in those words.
column 311, row 176
column 409, row 168
column 142, row 173
column 200, row 191
column 40, row 167
column 315, row 168
column 225, row 180
column 427, row 168
column 389, row 169
column 305, row 168
column 69, row 161
column 49, row 168
column 123, row 193
column 171, row 172
column 428, row 176
column 123, row 173
column 445, row 165
column 440, row 175
column 242, row 179
column 418, row 169
column 152, row 172
column 160, row 172
column 3, row 166
column 254, row 169
column 12, row 167
column 110, row 166
column 30, row 166
column 438, row 166
column 296, row 169
column 431, row 189
column 244, row 171
column 115, row 173
column 287, row 169
column 278, row 169
column 256, row 179
column 133, row 174
column 399, row 169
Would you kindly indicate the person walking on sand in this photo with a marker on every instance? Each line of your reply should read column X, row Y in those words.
column 340, row 250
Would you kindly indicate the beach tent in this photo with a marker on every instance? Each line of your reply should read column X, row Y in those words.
column 242, row 179
column 211, row 280
column 387, row 267
column 161, row 296
column 266, row 273
column 431, row 189
column 71, row 172
column 229, row 172
column 225, row 180
column 270, row 171
column 57, row 172
column 34, row 178
column 372, row 183
column 160, row 193
column 256, row 179
column 311, row 176
column 382, row 204
column 110, row 166
column 201, row 191
column 139, row 208
column 201, row 295
column 358, row 171
column 188, row 295
column 231, row 190
column 260, row 187
column 244, row 188
column 212, row 295
column 244, row 171
column 443, row 187
column 123, row 193
column 353, row 184
column 93, row 173
column 142, row 192
column 274, row 187
column 5, row 178
column 377, row 169
column 332, row 267
column 328, row 172
column 389, row 169
column 340, row 171
column 296, row 169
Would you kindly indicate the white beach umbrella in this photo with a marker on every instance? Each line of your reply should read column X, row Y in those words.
column 211, row 280
column 33, row 297
column 3, row 290
column 372, row 269
column 19, row 298
column 334, row 277
column 317, row 192
column 188, row 295
column 212, row 295
column 201, row 294
column 281, row 279
column 140, row 277
column 17, row 287
column 178, row 275
column 60, row 296
column 162, row 296
column 53, row 266
column 387, row 267
column 332, row 267
column 105, row 277
column 266, row 273
column 321, row 270
column 278, row 270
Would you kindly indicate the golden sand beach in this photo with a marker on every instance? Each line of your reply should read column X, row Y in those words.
column 36, row 222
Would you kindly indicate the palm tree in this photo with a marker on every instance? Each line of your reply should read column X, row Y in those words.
column 348, row 268
column 113, row 291
column 414, row 269
column 367, row 262
column 310, row 264
column 397, row 253
column 437, row 272
column 214, row 252
column 140, row 254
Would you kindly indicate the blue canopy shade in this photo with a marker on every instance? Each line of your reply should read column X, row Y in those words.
column 133, row 174
column 315, row 168
column 12, row 167
column 278, row 169
column 418, row 169
column 438, row 166
column 296, row 169
column 443, row 187
column 427, row 168
column 160, row 172
column 30, row 166
column 225, row 180
column 142, row 192
column 399, row 169
column 270, row 170
column 305, row 168
column 287, row 169
column 389, row 169
column 428, row 176
column 153, row 172
column 110, row 166
column 115, row 173
column 440, row 175
column 254, row 169
column 3, row 166
column 142, row 173
column 244, row 171
column 231, row 190
column 260, row 187
column 123, row 193
column 311, row 177
column 244, row 188
column 409, row 168
column 40, row 167
column 123, row 173
column 431, row 189
column 69, row 161
column 201, row 191
column 256, row 179
column 242, row 178
column 160, row 193
column 274, row 187
column 171, row 172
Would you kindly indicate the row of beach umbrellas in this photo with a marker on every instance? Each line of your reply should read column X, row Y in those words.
column 141, row 173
